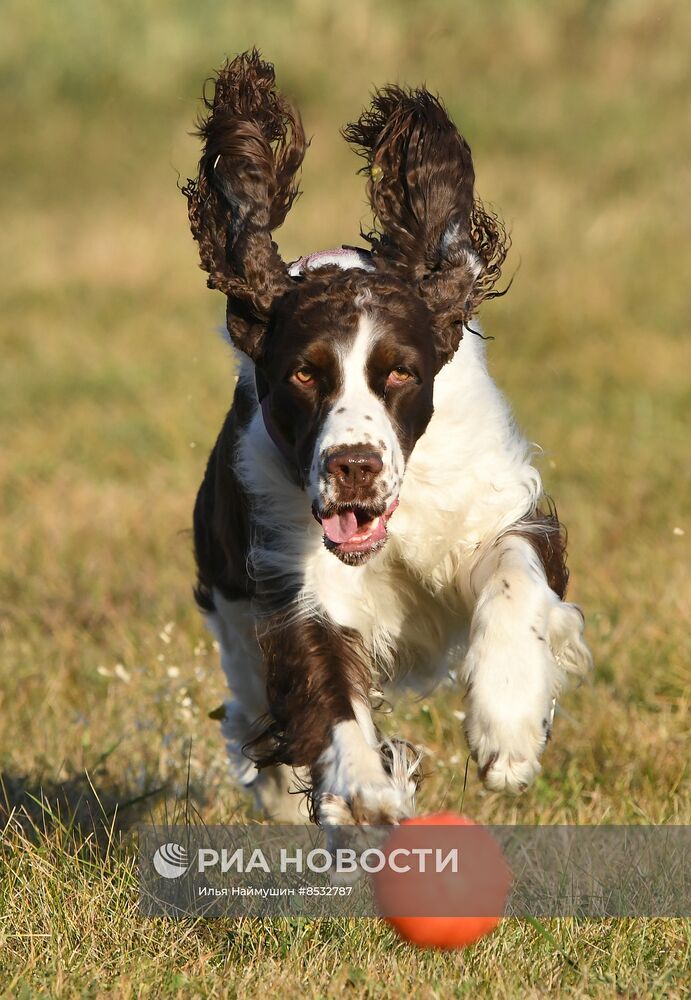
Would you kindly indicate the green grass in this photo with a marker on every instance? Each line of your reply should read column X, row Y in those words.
column 113, row 385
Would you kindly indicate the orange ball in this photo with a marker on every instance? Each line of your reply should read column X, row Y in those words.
column 447, row 908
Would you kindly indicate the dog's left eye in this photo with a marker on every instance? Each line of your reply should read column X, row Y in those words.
column 398, row 376
column 303, row 377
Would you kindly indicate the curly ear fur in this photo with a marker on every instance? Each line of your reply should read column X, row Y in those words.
column 254, row 145
column 431, row 228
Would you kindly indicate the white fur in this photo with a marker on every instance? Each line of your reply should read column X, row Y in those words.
column 352, row 769
column 469, row 479
column 357, row 417
column 511, row 669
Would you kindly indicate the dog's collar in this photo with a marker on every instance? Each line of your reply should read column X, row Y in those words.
column 345, row 257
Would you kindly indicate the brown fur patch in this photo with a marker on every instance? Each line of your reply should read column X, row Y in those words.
column 547, row 535
column 254, row 145
column 314, row 672
column 432, row 227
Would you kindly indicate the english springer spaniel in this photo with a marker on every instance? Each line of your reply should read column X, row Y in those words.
column 369, row 510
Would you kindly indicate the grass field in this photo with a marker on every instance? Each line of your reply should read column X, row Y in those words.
column 113, row 385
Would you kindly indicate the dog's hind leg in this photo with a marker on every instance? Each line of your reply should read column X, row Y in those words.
column 276, row 789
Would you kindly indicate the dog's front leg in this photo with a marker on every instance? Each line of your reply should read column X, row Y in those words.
column 523, row 642
column 318, row 683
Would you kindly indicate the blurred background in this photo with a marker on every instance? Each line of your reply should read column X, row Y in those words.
column 113, row 385
column 113, row 381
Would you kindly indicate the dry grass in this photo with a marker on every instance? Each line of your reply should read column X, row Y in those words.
column 113, row 385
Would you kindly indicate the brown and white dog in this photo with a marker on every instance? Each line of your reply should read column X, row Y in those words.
column 369, row 509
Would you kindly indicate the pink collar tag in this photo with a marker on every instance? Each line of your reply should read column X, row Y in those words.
column 344, row 257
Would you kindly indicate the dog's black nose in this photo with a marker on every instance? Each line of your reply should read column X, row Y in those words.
column 354, row 468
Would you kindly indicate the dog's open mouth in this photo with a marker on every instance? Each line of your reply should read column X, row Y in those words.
column 353, row 531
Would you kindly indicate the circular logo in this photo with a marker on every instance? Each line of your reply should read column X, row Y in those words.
column 171, row 861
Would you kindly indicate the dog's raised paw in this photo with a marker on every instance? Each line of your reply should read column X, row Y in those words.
column 506, row 772
column 509, row 764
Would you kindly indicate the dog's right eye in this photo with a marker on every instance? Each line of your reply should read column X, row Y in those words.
column 303, row 377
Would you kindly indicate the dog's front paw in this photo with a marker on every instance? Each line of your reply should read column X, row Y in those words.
column 506, row 764
column 510, row 706
column 373, row 804
column 363, row 783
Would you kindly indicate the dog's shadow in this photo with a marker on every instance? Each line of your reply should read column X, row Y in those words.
column 81, row 807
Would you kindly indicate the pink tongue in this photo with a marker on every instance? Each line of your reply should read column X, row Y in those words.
column 340, row 527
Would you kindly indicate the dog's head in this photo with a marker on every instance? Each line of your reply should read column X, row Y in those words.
column 345, row 360
column 346, row 373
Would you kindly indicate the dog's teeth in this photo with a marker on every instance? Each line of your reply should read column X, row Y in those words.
column 374, row 524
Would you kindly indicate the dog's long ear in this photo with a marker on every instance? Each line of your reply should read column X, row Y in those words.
column 254, row 144
column 430, row 227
